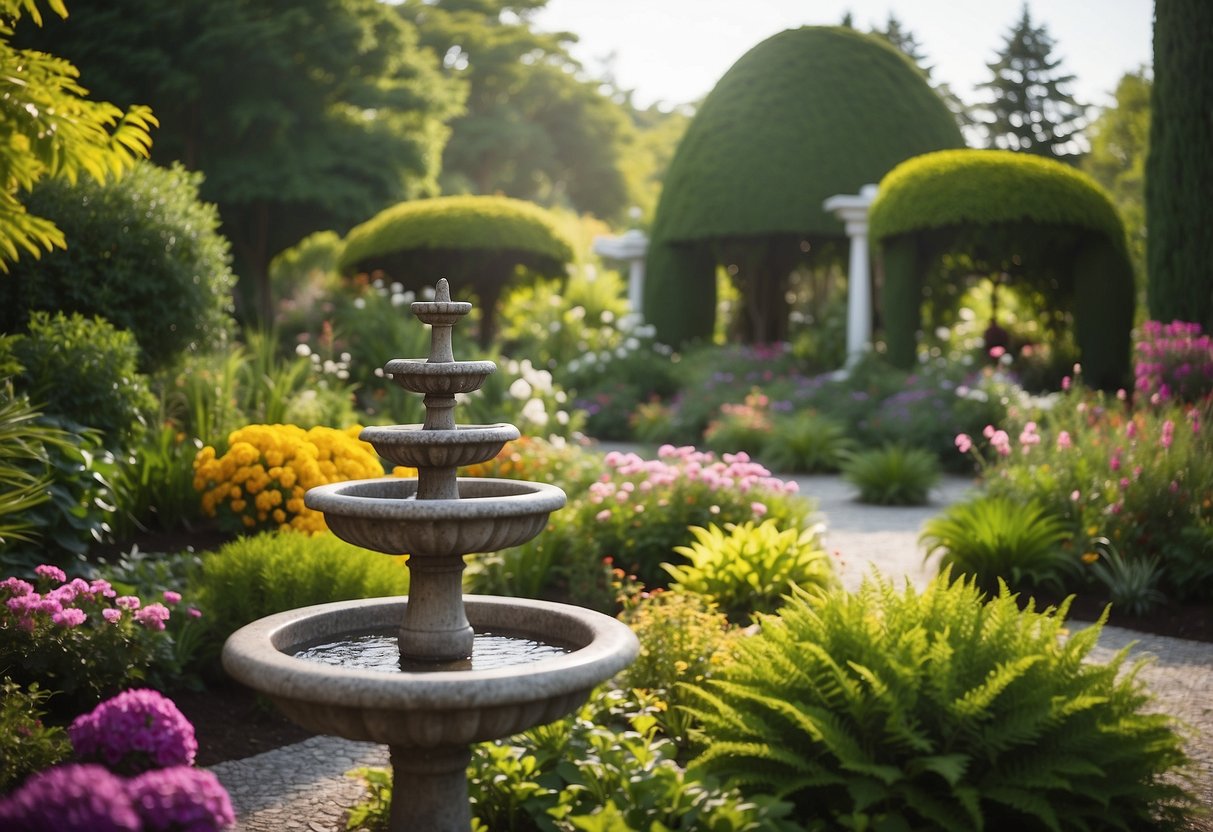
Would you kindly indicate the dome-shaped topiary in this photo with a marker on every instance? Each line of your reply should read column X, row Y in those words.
column 1043, row 224
column 804, row 115
column 477, row 242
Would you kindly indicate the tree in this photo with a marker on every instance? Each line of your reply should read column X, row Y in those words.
column 902, row 39
column 1179, row 169
column 1120, row 142
column 534, row 128
column 1029, row 107
column 303, row 115
column 50, row 128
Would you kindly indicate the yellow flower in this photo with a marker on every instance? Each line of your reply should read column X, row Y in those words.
column 1090, row 557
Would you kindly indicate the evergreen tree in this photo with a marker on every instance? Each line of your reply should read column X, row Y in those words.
column 1179, row 170
column 901, row 38
column 1030, row 107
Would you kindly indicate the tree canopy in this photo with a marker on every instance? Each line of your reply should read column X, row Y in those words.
column 50, row 128
column 1030, row 107
column 302, row 114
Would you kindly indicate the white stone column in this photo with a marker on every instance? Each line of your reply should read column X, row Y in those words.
column 631, row 248
column 852, row 209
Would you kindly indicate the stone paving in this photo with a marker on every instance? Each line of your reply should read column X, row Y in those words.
column 304, row 787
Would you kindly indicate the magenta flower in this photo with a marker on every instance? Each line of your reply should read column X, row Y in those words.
column 70, row 798
column 128, row 602
column 135, row 731
column 69, row 618
column 1168, row 434
column 111, row 615
column 16, row 586
column 181, row 798
column 171, row 597
column 53, row 573
column 153, row 616
column 1063, row 440
column 964, row 442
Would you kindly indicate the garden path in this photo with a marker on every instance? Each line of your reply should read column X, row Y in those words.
column 304, row 787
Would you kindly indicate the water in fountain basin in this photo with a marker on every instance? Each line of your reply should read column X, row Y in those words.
column 378, row 651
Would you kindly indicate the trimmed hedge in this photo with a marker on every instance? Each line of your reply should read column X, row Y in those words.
column 999, row 207
column 486, row 223
column 804, row 115
column 987, row 187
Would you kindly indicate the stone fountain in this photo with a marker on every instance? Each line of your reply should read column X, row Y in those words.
column 434, row 672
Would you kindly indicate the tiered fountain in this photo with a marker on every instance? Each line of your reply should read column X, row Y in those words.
column 431, row 673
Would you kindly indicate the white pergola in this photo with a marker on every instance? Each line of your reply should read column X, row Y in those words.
column 852, row 209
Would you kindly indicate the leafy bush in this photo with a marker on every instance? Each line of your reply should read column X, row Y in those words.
column 749, row 569
column 259, row 482
column 252, row 577
column 153, row 483
column 577, row 774
column 144, row 253
column 807, row 442
column 639, row 510
column 740, row 427
column 23, row 441
column 84, row 370
column 1174, row 362
column 82, row 639
column 893, row 475
column 1141, row 477
column 27, row 744
column 1132, row 584
column 992, row 538
column 937, row 710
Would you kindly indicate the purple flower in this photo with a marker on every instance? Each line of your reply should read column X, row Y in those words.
column 70, row 798
column 50, row 572
column 153, row 616
column 181, row 799
column 135, row 731
column 171, row 597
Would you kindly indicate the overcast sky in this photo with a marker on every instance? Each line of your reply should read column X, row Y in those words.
column 674, row 51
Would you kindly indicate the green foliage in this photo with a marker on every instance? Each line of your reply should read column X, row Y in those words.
column 52, row 130
column 507, row 226
column 1030, row 108
column 1132, row 583
column 893, row 475
column 889, row 709
column 749, row 569
column 23, row 449
column 253, row 577
column 958, row 187
column 804, row 115
column 1179, row 177
column 996, row 539
column 153, row 483
column 808, row 442
column 84, row 371
column 27, row 745
column 336, row 114
column 77, row 514
column 142, row 252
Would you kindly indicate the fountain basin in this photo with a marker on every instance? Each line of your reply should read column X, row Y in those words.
column 383, row 515
column 445, row 378
column 418, row 447
column 429, row 709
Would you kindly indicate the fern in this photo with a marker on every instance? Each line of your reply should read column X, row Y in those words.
column 937, row 709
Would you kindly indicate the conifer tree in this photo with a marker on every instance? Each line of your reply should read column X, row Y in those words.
column 1179, row 169
column 1030, row 107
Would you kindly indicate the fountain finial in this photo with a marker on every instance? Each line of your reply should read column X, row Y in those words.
column 442, row 291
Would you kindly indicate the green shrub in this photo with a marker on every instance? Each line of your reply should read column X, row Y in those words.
column 1000, row 538
column 253, row 577
column 1132, row 583
column 143, row 252
column 153, row 484
column 893, row 475
column 84, row 370
column 23, row 442
column 750, row 568
column 27, row 745
column 938, row 710
column 807, row 442
column 740, row 427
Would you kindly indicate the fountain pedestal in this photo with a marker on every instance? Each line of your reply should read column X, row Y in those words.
column 434, row 701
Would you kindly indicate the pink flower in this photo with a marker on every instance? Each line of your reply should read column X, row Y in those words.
column 603, row 515
column 111, row 615
column 1075, row 496
column 964, row 442
column 171, row 597
column 1131, row 429
column 1114, row 462
column 988, row 431
column 1001, row 443
column 1064, row 441
column 1168, row 434
column 50, row 572
column 16, row 586
column 128, row 602
column 759, row 509
column 153, row 616
column 1065, row 383
column 69, row 618
column 194, row 612
column 997, row 352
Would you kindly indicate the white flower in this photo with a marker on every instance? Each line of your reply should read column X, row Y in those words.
column 303, row 350
column 397, row 287
column 561, row 397
column 520, row 389
column 577, row 313
column 562, row 418
column 554, row 327
column 398, row 299
column 534, row 412
column 607, row 316
column 360, row 303
column 632, row 344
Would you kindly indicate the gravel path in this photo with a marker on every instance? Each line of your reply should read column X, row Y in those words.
column 304, row 787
